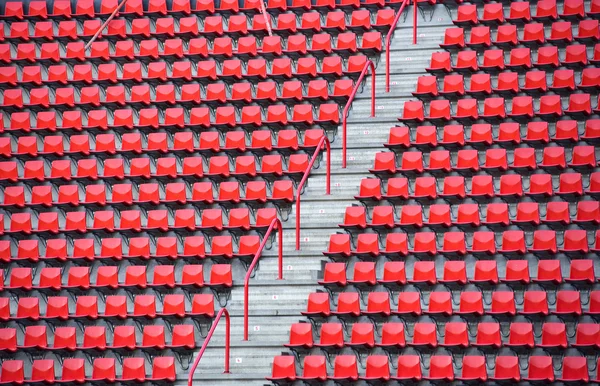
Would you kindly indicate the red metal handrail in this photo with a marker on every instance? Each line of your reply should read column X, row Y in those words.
column 257, row 255
column 305, row 177
column 368, row 65
column 210, row 334
column 415, row 10
column 263, row 10
column 388, row 39
column 112, row 15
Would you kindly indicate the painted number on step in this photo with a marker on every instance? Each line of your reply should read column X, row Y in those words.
column 256, row 328
column 238, row 360
column 275, row 297
column 290, row 268
column 394, row 83
column 366, row 132
column 337, row 184
column 321, row 211
column 408, row 59
column 380, row 107
column 306, row 239
column 351, row 158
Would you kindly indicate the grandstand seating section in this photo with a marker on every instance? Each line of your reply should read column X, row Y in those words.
column 471, row 254
column 136, row 173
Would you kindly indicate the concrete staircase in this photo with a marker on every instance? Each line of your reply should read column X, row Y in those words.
column 275, row 305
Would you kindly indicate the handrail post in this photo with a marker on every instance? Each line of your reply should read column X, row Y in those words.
column 415, row 10
column 388, row 39
column 274, row 224
column 368, row 65
column 205, row 344
column 263, row 10
column 323, row 141
column 112, row 15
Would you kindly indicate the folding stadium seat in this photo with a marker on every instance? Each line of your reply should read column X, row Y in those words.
column 579, row 106
column 339, row 246
column 575, row 242
column 454, row 38
column 488, row 336
column 441, row 369
column 493, row 14
column 581, row 271
column 335, row 22
column 583, row 157
column 573, row 10
column 474, row 368
column 507, row 369
column 570, row 184
column 425, row 188
column 334, row 275
column 348, row 305
column 440, row 63
column 426, row 87
column 480, row 37
column 424, row 335
column 588, row 31
column 586, row 335
column 455, row 336
column 568, row 303
column 367, row 244
column 520, row 336
column 540, row 369
column 377, row 369
column 481, row 134
column 560, row 33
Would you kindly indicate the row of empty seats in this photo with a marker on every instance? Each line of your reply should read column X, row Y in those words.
column 346, row 44
column 536, row 133
column 520, row 12
column 224, row 118
column 563, row 81
column 549, row 108
column 524, row 158
column 220, row 93
column 27, row 309
column 177, row 193
column 99, row 338
column 410, row 368
column 455, row 336
column 271, row 166
column 327, row 115
column 164, row 95
column 483, row 188
column 107, row 277
column 485, row 274
column 83, row 9
column 519, row 59
column 379, row 305
column 136, row 143
column 167, row 248
column 204, row 71
column 210, row 27
column 561, row 33
column 159, row 220
column 73, row 370
column 427, row 244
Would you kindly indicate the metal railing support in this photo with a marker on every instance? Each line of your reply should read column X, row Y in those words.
column 274, row 224
column 324, row 141
column 388, row 39
column 263, row 10
column 210, row 334
column 415, row 10
column 368, row 65
column 112, row 15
